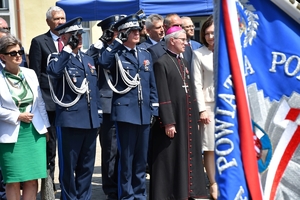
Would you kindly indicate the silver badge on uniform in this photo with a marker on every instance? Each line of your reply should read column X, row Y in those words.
column 74, row 79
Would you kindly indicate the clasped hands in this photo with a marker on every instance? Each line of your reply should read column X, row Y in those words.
column 25, row 117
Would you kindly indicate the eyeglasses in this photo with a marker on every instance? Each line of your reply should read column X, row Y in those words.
column 7, row 28
column 184, row 40
column 14, row 53
column 188, row 27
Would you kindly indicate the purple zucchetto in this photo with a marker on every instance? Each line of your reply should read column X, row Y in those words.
column 173, row 29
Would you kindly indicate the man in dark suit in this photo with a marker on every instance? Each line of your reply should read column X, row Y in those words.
column 134, row 102
column 107, row 132
column 155, row 30
column 160, row 48
column 40, row 48
column 74, row 87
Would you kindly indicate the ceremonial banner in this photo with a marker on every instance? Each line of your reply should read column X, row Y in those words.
column 257, row 62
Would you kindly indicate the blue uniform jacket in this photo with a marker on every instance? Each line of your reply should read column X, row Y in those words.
column 126, row 107
column 105, row 92
column 81, row 115
column 146, row 44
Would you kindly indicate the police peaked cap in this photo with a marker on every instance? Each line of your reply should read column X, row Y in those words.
column 130, row 21
column 108, row 22
column 70, row 26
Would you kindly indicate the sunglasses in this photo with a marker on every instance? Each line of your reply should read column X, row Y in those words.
column 14, row 53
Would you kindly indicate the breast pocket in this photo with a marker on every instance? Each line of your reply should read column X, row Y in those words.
column 74, row 74
column 130, row 69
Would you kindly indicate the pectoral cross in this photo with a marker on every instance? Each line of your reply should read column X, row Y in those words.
column 185, row 86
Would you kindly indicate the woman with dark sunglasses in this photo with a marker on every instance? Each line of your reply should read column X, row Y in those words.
column 23, row 123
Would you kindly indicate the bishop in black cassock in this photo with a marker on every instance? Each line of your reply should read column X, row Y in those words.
column 176, row 159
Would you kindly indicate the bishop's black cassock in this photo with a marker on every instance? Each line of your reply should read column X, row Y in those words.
column 176, row 163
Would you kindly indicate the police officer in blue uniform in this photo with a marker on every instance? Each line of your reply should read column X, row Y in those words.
column 74, row 88
column 107, row 132
column 134, row 102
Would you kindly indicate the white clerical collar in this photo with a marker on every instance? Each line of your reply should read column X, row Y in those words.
column 177, row 55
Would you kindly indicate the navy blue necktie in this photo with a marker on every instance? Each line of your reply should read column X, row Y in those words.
column 133, row 52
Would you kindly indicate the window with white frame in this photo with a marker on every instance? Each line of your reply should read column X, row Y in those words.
column 86, row 40
column 4, row 5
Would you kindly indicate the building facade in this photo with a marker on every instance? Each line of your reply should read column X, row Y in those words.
column 27, row 19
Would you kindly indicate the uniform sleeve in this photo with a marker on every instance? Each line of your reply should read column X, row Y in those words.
column 95, row 50
column 153, row 54
column 107, row 58
column 153, row 94
column 99, row 105
column 57, row 62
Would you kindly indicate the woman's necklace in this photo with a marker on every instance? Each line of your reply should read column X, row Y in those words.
column 183, row 77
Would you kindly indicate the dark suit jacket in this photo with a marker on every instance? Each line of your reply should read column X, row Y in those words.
column 40, row 48
column 160, row 48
